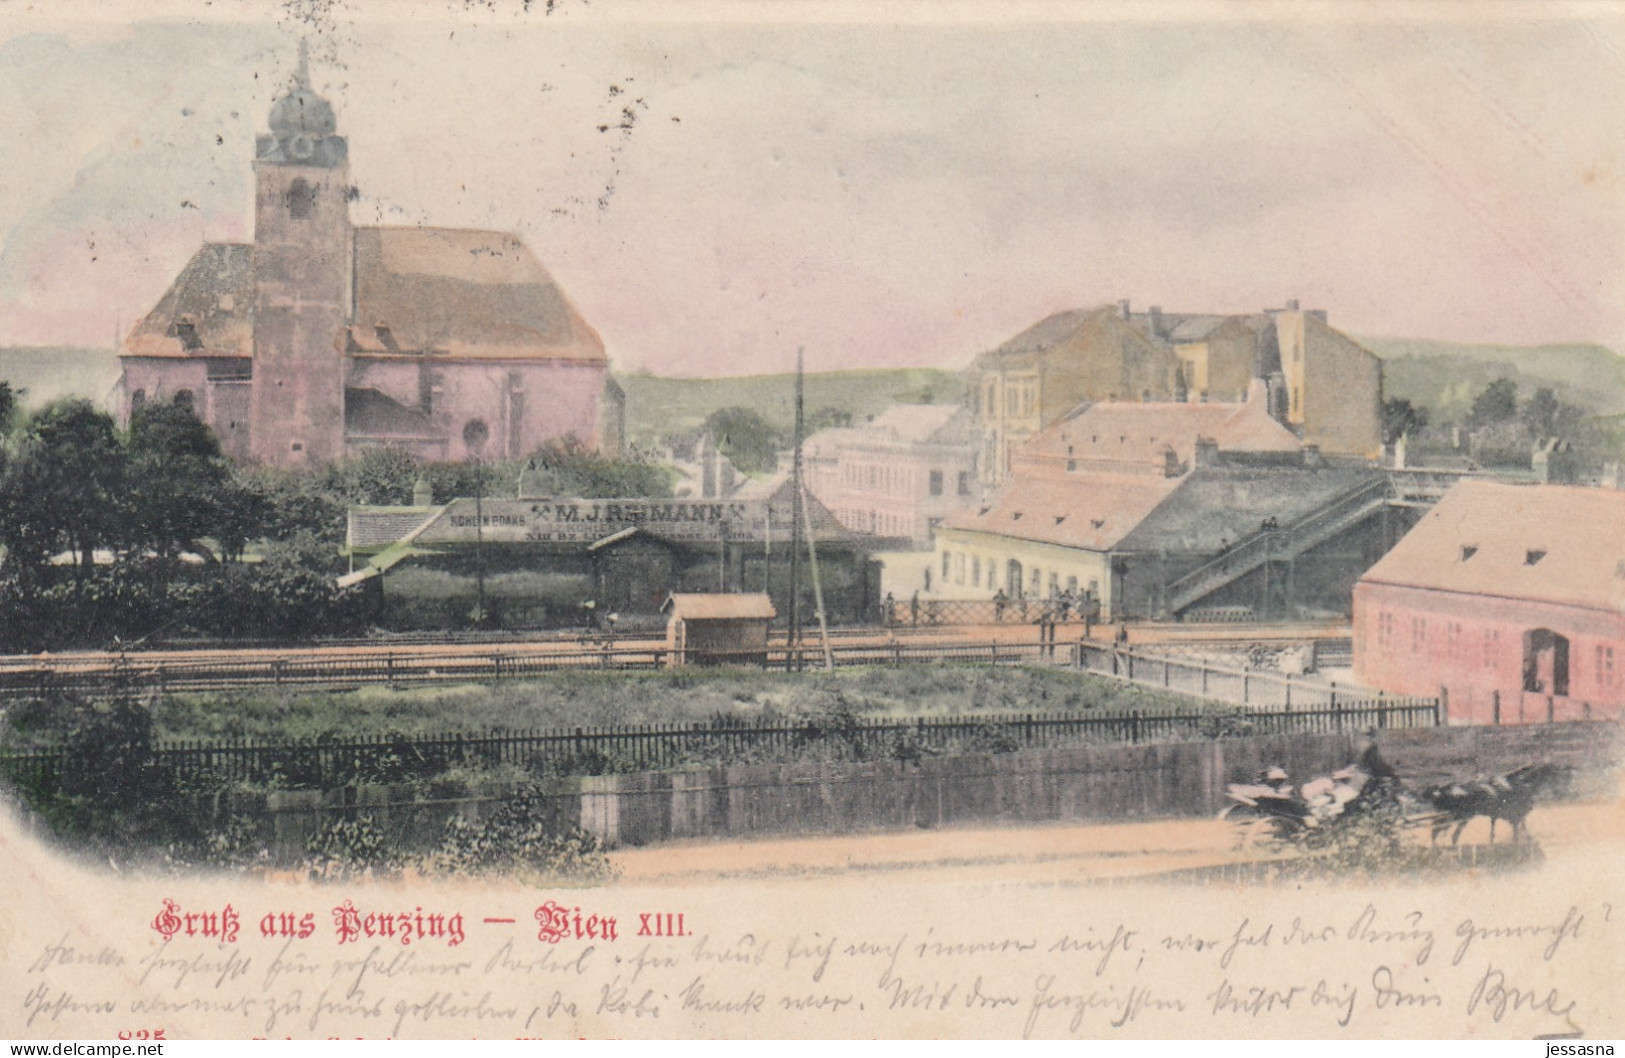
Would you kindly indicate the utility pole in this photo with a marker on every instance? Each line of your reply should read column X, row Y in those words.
column 796, row 516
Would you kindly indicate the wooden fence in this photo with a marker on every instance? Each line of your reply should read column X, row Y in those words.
column 328, row 764
column 1262, row 690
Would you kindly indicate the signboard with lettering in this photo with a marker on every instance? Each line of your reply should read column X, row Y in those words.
column 585, row 521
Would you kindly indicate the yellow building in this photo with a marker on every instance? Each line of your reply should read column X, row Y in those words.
column 1156, row 509
column 1323, row 385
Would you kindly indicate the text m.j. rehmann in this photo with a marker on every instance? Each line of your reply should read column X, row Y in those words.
column 1561, row 1050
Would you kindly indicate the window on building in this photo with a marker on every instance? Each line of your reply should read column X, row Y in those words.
column 1605, row 666
column 1071, row 584
column 138, row 400
column 301, row 199
column 976, row 569
column 184, row 399
column 1453, row 641
column 1419, row 634
column 1054, row 585
column 1385, row 629
column 1492, row 646
column 936, row 483
column 1533, row 556
column 1036, row 583
column 964, row 483
column 947, row 563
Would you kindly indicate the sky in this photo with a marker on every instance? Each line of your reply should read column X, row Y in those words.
column 885, row 184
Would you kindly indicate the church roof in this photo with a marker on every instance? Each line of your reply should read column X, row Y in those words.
column 463, row 292
column 215, row 294
column 457, row 292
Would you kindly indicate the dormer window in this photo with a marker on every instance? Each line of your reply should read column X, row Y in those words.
column 1532, row 557
column 186, row 331
column 1016, row 517
column 1468, row 551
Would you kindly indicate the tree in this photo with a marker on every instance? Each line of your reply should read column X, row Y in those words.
column 566, row 468
column 745, row 438
column 1401, row 417
column 1497, row 404
column 1546, row 416
column 179, row 482
column 379, row 476
column 8, row 406
column 827, row 418
column 64, row 487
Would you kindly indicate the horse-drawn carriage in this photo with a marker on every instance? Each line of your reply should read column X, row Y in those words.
column 1271, row 810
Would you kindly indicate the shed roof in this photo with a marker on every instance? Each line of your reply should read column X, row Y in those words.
column 693, row 606
column 1542, row 543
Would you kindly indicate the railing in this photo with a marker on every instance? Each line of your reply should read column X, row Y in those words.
column 1265, row 690
column 931, row 613
column 1267, row 544
column 723, row 739
column 137, row 674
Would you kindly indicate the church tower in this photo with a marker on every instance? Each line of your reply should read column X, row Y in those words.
column 303, row 274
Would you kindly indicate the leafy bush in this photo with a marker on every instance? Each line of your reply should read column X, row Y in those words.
column 348, row 848
column 528, row 837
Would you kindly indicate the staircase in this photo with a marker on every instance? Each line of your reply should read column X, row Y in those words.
column 1275, row 545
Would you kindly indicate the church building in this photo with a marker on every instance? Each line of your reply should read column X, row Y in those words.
column 322, row 338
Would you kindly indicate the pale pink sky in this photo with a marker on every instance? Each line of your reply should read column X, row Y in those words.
column 883, row 194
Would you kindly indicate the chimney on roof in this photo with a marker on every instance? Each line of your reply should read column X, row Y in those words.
column 1156, row 322
column 1122, row 308
column 1207, row 452
column 1292, row 304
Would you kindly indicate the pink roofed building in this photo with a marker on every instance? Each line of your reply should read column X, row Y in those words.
column 322, row 338
column 1507, row 599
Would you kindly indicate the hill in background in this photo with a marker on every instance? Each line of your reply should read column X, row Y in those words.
column 1444, row 377
column 657, row 407
column 46, row 374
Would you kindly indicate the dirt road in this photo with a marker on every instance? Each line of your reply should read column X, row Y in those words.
column 1038, row 854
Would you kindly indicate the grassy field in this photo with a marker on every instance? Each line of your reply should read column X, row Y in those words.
column 567, row 700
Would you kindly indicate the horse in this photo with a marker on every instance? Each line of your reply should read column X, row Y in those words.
column 1510, row 797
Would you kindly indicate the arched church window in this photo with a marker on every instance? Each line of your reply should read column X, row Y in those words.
column 138, row 400
column 301, row 199
column 183, row 399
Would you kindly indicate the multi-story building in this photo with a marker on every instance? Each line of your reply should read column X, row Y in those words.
column 900, row 474
column 1323, row 385
column 1162, row 510
column 321, row 337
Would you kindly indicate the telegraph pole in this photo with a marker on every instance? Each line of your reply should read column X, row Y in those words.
column 796, row 516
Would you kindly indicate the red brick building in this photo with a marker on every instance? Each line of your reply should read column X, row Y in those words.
column 1508, row 598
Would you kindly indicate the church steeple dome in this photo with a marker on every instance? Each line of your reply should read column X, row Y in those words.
column 302, row 124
